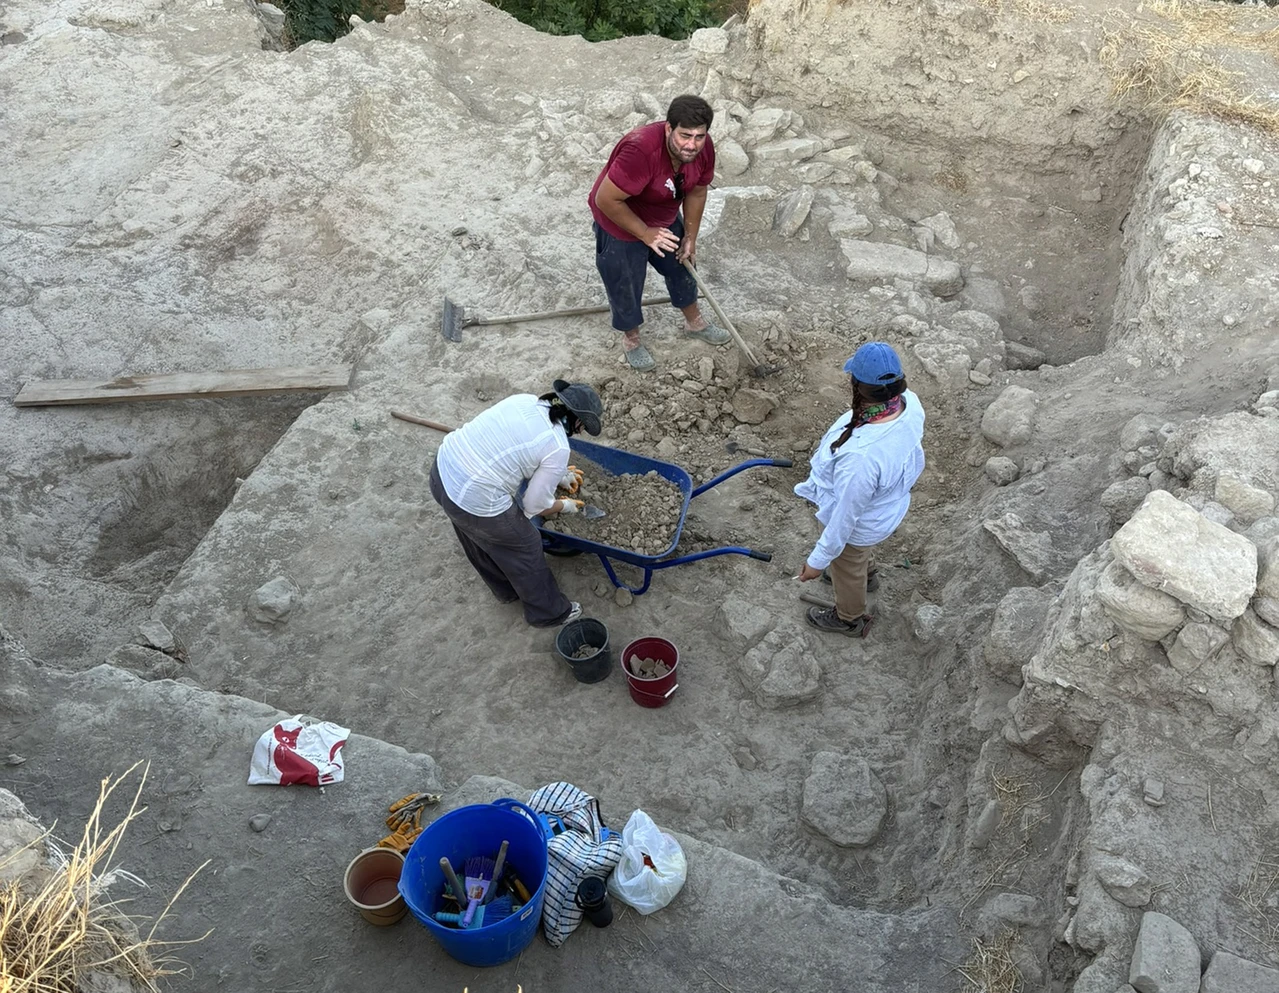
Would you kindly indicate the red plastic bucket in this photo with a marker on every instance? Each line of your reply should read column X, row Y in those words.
column 655, row 692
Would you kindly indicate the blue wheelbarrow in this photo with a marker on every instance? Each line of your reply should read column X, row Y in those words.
column 616, row 462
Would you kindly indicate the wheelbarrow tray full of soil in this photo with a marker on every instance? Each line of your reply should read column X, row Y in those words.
column 617, row 462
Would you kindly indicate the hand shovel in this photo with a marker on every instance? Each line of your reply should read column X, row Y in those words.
column 592, row 512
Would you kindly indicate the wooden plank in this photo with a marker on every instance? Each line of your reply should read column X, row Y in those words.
column 183, row 385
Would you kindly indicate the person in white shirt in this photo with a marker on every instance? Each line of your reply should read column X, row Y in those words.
column 860, row 478
column 478, row 473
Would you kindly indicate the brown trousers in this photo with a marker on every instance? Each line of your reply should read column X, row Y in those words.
column 848, row 574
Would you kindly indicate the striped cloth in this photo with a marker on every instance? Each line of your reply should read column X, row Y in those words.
column 584, row 848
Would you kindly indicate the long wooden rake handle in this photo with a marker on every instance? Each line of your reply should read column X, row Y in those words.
column 723, row 318
column 414, row 419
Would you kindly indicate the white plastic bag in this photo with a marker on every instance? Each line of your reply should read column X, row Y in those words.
column 299, row 750
column 653, row 867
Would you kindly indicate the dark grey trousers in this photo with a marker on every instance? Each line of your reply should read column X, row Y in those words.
column 506, row 551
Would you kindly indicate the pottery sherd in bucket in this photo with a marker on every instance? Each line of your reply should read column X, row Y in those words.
column 372, row 884
column 583, row 644
column 651, row 690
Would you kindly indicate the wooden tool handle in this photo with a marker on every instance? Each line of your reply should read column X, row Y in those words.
column 414, row 419
column 548, row 314
column 723, row 318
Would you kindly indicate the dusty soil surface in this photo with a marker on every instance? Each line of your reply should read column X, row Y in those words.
column 212, row 225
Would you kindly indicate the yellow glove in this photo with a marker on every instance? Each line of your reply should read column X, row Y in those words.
column 571, row 507
column 572, row 479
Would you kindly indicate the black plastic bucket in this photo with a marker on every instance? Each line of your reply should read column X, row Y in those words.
column 585, row 631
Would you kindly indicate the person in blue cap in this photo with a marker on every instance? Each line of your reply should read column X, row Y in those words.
column 860, row 478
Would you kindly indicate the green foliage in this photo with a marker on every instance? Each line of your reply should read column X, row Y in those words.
column 594, row 20
column 329, row 20
column 602, row 20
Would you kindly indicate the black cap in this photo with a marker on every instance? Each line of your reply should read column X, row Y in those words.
column 583, row 401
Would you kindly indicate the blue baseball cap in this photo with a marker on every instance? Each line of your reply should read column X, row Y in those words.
column 875, row 364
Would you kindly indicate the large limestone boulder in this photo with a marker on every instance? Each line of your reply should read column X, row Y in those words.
column 1015, row 631
column 1169, row 546
column 1268, row 567
column 1230, row 974
column 1032, row 550
column 1165, row 958
column 1196, row 644
column 1239, row 444
column 844, row 800
column 1246, row 501
column 782, row 670
column 1145, row 612
column 1256, row 640
column 742, row 622
column 873, row 261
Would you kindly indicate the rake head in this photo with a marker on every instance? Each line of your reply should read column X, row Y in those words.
column 452, row 321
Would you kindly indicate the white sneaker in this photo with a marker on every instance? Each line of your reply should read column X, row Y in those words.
column 575, row 611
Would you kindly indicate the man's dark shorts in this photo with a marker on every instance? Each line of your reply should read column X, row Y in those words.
column 623, row 266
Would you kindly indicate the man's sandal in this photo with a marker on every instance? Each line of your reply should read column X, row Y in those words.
column 639, row 359
column 711, row 334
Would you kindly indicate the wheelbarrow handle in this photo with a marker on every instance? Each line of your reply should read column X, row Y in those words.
column 748, row 464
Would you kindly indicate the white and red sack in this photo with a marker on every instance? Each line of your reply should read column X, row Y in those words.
column 301, row 751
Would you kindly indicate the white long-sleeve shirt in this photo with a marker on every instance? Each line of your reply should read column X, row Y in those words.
column 483, row 463
column 862, row 491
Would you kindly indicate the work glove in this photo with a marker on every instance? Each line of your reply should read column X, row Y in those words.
column 572, row 507
column 572, row 479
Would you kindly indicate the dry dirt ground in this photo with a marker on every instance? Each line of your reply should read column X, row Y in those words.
column 175, row 198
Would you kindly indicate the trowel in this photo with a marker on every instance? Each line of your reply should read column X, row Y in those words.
column 592, row 512
column 731, row 447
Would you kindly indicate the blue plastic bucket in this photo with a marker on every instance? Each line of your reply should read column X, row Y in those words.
column 478, row 829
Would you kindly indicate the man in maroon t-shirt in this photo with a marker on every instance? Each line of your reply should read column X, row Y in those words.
column 636, row 205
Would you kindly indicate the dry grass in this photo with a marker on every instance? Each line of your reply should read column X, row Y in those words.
column 1256, row 894
column 57, row 924
column 1173, row 59
column 990, row 968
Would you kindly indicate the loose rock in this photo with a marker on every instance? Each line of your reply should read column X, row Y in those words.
column 259, row 822
column 752, row 406
column 272, row 602
column 1124, row 881
column 1122, row 498
column 844, row 800
column 1256, row 640
column 1010, row 420
column 1001, row 470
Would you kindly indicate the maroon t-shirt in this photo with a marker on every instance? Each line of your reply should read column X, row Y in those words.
column 641, row 168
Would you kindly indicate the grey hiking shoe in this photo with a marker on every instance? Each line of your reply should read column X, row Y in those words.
column 711, row 334
column 639, row 359
column 826, row 619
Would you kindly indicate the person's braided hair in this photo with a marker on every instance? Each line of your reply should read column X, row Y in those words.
column 865, row 396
